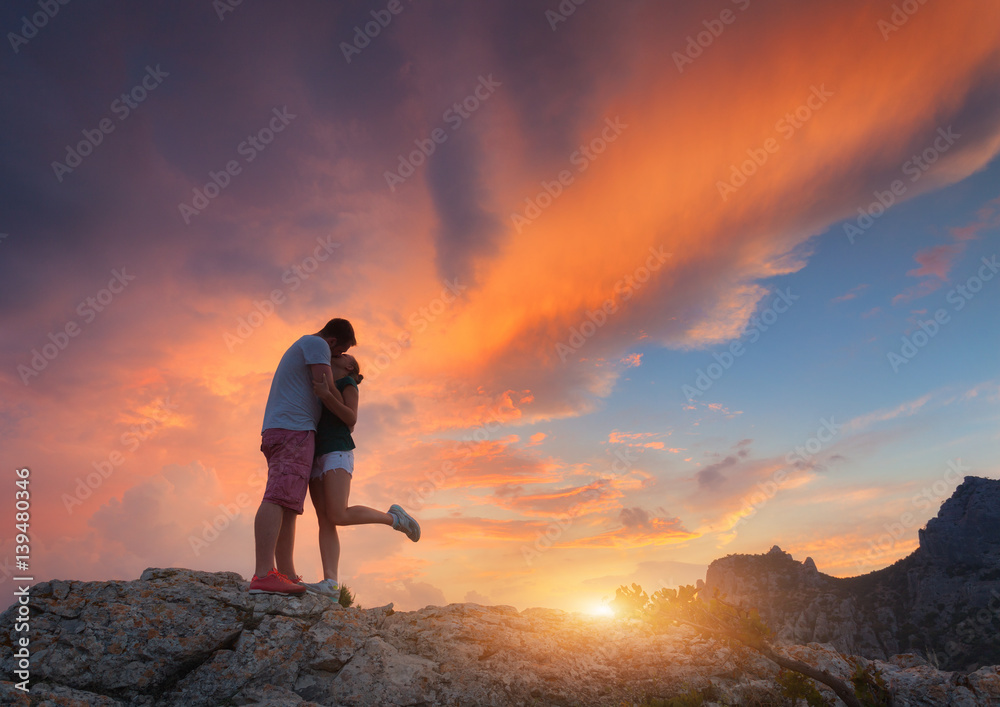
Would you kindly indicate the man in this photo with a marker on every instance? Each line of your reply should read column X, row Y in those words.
column 288, row 443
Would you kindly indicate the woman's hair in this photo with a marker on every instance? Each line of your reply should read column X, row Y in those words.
column 355, row 371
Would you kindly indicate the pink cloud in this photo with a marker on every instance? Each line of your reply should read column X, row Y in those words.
column 936, row 261
column 632, row 360
column 917, row 291
column 851, row 294
column 988, row 217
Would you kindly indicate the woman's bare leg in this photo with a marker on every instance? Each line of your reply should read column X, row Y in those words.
column 337, row 486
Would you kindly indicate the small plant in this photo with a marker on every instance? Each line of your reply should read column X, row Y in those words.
column 629, row 602
column 798, row 686
column 346, row 597
column 869, row 685
column 691, row 698
column 761, row 696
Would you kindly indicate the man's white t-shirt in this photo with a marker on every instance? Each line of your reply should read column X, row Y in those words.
column 291, row 404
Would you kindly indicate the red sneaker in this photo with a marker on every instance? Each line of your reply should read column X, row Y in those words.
column 274, row 583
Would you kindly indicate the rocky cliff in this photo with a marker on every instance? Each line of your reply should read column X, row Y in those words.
column 942, row 602
column 180, row 637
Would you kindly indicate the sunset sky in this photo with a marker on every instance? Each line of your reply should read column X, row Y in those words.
column 636, row 285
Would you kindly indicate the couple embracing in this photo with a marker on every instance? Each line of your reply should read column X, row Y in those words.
column 311, row 411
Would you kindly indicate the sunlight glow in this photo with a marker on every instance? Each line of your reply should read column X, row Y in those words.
column 602, row 610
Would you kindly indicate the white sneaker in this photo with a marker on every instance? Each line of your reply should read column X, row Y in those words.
column 404, row 522
column 327, row 588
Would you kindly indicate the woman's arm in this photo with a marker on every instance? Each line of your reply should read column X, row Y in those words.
column 344, row 406
column 324, row 387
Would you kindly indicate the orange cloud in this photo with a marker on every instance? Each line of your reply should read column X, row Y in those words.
column 467, row 532
column 596, row 497
column 632, row 360
column 638, row 529
column 632, row 439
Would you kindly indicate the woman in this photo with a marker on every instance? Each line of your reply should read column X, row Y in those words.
column 333, row 468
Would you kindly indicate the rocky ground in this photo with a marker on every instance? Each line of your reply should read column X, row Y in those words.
column 180, row 637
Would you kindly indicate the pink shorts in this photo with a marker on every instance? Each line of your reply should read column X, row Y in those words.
column 289, row 456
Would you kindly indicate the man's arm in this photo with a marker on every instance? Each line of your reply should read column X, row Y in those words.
column 319, row 371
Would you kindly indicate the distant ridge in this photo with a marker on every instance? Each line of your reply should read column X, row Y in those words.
column 941, row 602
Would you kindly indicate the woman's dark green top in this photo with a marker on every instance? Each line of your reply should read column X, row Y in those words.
column 332, row 435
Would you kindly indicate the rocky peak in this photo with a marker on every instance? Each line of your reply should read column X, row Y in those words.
column 966, row 530
column 771, row 573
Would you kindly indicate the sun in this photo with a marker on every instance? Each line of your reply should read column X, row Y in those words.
column 601, row 609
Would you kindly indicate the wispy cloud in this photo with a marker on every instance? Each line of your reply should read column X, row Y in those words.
column 907, row 409
column 988, row 218
column 850, row 294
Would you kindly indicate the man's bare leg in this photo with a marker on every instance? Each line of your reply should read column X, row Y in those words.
column 285, row 545
column 266, row 527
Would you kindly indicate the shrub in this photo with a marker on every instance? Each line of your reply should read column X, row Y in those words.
column 869, row 685
column 798, row 686
column 691, row 698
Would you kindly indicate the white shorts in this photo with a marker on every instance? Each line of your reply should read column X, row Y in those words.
column 332, row 460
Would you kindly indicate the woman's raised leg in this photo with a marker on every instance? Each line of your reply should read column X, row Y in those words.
column 337, row 484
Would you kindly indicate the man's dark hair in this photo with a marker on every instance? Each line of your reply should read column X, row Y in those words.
column 341, row 330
